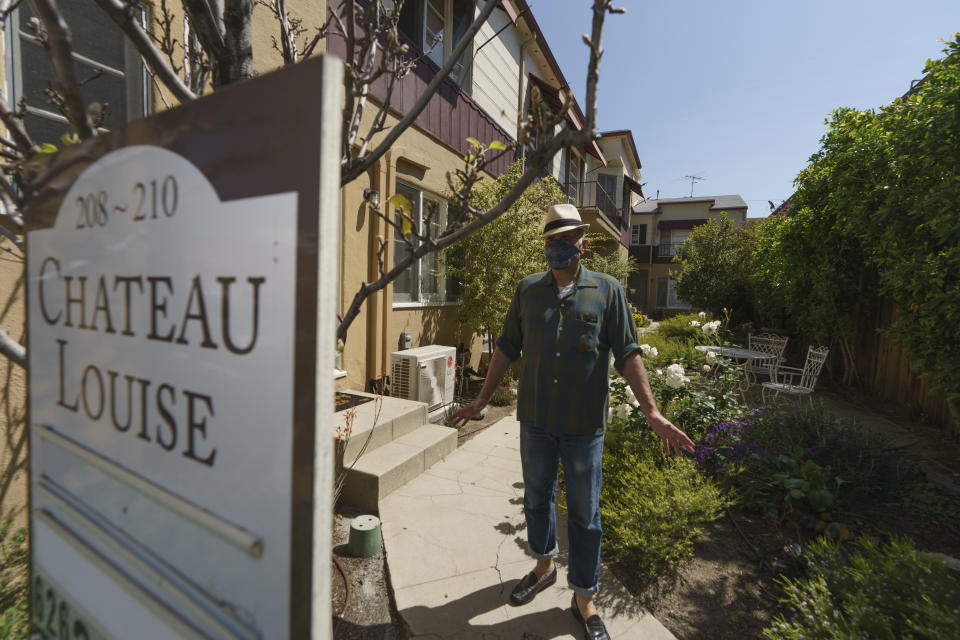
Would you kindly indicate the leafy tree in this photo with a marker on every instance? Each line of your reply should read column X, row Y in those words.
column 719, row 262
column 881, row 194
column 491, row 262
column 601, row 256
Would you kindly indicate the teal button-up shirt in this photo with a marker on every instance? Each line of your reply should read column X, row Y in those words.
column 566, row 346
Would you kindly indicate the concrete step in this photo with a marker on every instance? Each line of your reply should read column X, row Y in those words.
column 390, row 466
column 388, row 418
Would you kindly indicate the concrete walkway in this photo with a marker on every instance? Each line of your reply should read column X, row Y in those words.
column 455, row 545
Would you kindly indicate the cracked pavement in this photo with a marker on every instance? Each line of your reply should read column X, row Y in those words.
column 455, row 544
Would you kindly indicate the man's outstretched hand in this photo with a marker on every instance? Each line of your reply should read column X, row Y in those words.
column 673, row 439
column 466, row 412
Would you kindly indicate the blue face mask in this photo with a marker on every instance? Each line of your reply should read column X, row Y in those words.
column 560, row 254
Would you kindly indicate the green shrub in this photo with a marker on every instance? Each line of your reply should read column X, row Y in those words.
column 680, row 328
column 782, row 460
column 502, row 397
column 653, row 509
column 672, row 350
column 14, row 562
column 706, row 399
column 871, row 591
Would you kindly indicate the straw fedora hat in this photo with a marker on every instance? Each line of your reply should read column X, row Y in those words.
column 560, row 218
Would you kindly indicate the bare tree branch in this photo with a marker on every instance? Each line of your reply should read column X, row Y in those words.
column 428, row 245
column 354, row 167
column 204, row 26
column 236, row 63
column 59, row 48
column 13, row 349
column 198, row 66
column 6, row 8
column 595, row 42
column 15, row 126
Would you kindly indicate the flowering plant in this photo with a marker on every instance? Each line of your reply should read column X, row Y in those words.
column 711, row 328
column 675, row 377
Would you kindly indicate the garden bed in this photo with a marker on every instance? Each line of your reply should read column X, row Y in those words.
column 774, row 528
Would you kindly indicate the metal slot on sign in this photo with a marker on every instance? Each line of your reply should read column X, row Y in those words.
column 228, row 531
column 185, row 628
column 187, row 596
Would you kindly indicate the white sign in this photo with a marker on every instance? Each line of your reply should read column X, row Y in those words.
column 161, row 345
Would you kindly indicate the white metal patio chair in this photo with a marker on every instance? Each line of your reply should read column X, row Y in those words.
column 769, row 343
column 795, row 381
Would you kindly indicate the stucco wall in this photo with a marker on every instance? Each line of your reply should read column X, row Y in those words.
column 13, row 393
column 420, row 161
column 13, row 453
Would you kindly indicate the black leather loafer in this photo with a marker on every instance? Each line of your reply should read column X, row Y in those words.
column 529, row 586
column 593, row 625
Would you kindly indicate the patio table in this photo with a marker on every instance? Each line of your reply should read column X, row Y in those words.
column 748, row 356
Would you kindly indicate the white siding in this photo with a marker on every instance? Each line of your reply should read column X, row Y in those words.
column 496, row 68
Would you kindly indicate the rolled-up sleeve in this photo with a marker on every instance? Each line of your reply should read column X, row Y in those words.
column 511, row 338
column 621, row 329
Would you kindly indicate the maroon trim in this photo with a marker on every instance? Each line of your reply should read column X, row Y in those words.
column 450, row 116
column 634, row 186
column 508, row 9
column 681, row 224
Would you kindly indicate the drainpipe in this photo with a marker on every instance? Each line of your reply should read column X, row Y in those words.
column 387, row 259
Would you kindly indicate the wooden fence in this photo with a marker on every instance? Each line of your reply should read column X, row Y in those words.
column 884, row 369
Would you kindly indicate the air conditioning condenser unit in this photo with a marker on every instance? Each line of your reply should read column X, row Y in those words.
column 425, row 374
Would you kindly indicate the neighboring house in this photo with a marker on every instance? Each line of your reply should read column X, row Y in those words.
column 657, row 229
column 609, row 190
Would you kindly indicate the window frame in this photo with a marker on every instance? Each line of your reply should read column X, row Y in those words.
column 137, row 93
column 670, row 243
column 669, row 295
column 461, row 72
column 421, row 296
column 574, row 188
column 635, row 240
column 612, row 193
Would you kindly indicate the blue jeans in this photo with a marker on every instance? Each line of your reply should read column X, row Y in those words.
column 581, row 455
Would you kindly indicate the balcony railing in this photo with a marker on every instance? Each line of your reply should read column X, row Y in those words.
column 591, row 195
column 669, row 248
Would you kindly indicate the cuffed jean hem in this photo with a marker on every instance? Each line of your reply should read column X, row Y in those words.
column 582, row 592
column 553, row 553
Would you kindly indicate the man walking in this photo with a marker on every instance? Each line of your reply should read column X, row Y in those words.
column 566, row 323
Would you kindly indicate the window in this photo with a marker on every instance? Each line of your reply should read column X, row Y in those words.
column 609, row 185
column 671, row 240
column 425, row 281
column 667, row 294
column 113, row 73
column 423, row 21
column 637, row 285
column 638, row 234
column 572, row 178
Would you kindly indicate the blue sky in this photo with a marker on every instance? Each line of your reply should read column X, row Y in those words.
column 737, row 91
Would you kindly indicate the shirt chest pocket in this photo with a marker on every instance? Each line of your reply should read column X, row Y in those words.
column 584, row 331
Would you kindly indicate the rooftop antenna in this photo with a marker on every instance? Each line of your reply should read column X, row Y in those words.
column 693, row 180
